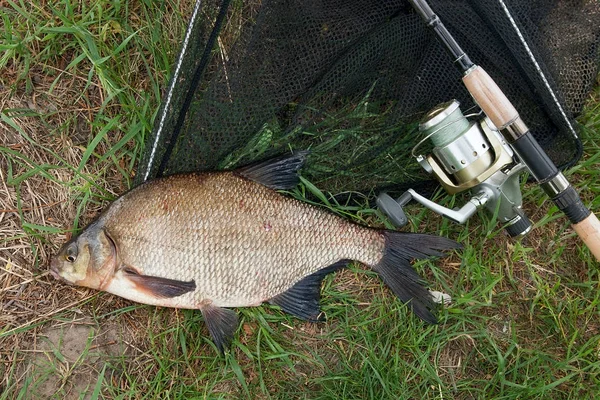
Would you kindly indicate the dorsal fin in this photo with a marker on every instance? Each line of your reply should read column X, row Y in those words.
column 276, row 173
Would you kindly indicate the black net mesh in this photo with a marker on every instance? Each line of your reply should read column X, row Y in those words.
column 351, row 79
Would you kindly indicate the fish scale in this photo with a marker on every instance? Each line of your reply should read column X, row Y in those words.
column 240, row 238
column 228, row 239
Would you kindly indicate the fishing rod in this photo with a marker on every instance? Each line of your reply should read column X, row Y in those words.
column 487, row 157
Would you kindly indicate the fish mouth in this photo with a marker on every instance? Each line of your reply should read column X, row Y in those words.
column 54, row 270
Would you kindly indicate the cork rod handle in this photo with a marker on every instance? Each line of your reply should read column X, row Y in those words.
column 490, row 98
column 589, row 231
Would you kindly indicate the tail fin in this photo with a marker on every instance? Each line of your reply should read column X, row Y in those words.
column 396, row 271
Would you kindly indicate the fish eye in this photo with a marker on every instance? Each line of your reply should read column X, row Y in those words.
column 71, row 255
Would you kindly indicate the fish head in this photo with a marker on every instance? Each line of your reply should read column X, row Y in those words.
column 89, row 260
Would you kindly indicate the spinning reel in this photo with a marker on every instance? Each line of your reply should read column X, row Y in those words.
column 467, row 156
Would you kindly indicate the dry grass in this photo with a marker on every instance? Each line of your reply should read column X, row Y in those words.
column 51, row 182
column 35, row 213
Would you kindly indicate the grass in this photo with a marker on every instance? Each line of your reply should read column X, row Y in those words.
column 80, row 85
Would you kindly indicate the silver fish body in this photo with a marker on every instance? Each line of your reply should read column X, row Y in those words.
column 228, row 239
column 241, row 242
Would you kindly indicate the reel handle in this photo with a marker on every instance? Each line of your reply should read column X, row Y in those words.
column 394, row 208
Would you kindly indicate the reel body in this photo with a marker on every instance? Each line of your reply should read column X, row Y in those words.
column 467, row 156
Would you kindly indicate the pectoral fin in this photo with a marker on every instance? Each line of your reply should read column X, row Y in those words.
column 159, row 287
column 221, row 323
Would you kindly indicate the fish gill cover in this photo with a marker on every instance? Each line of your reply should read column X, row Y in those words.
column 351, row 79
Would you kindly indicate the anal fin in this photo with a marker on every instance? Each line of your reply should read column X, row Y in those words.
column 302, row 299
column 222, row 324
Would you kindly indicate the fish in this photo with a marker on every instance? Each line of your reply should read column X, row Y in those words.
column 219, row 240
